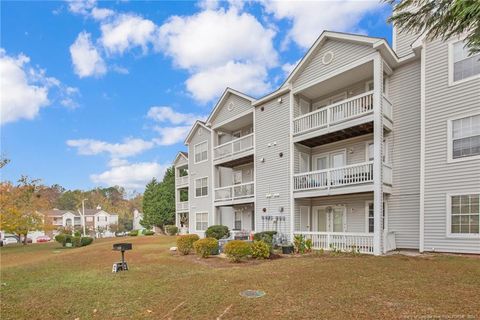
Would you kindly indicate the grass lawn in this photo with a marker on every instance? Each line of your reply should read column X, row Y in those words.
column 43, row 281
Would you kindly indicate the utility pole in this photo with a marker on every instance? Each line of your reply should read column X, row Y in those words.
column 83, row 217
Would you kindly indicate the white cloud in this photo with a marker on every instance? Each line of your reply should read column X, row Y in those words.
column 214, row 44
column 129, row 147
column 287, row 68
column 126, row 31
column 85, row 57
column 82, row 7
column 250, row 78
column 25, row 90
column 101, row 13
column 116, row 162
column 212, row 38
column 167, row 114
column 310, row 18
column 171, row 135
column 131, row 176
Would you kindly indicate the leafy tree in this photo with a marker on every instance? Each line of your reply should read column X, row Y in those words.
column 159, row 201
column 20, row 205
column 443, row 19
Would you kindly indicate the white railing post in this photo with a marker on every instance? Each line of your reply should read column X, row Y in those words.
column 377, row 153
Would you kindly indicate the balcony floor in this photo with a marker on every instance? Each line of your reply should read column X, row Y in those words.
column 360, row 188
column 236, row 160
column 320, row 139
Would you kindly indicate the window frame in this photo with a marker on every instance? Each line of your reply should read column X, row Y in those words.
column 195, row 152
column 449, row 233
column 367, row 216
column 196, row 221
column 195, row 188
column 451, row 82
column 450, row 158
column 385, row 150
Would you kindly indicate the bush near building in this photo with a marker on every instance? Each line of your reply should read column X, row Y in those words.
column 237, row 250
column 218, row 232
column 185, row 243
column 205, row 247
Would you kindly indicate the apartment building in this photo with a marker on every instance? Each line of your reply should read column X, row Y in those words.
column 364, row 147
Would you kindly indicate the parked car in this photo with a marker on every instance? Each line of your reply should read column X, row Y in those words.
column 9, row 240
column 43, row 239
column 120, row 234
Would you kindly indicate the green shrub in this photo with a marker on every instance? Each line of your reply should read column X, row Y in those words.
column 259, row 235
column 171, row 230
column 218, row 232
column 185, row 243
column 148, row 232
column 77, row 234
column 236, row 250
column 205, row 247
column 265, row 237
column 60, row 238
column 308, row 245
column 260, row 250
column 85, row 241
column 133, row 233
column 76, row 242
column 299, row 243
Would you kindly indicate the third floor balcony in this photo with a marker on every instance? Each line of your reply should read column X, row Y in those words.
column 234, row 150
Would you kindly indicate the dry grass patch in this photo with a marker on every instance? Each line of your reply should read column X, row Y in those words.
column 78, row 283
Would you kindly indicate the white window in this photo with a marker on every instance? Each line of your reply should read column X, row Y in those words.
column 371, row 219
column 238, row 221
column 201, row 221
column 463, row 66
column 384, row 151
column 201, row 187
column 464, row 136
column 201, row 152
column 463, row 215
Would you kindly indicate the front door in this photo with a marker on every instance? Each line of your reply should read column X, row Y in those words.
column 305, row 219
column 319, row 219
column 337, row 160
column 338, row 219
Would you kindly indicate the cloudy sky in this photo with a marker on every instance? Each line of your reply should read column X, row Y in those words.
column 103, row 93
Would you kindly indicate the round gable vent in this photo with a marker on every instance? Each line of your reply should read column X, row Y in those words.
column 327, row 57
column 230, row 106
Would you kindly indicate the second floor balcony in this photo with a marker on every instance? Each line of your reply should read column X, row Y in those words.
column 239, row 193
column 235, row 149
column 182, row 206
column 181, row 182
column 346, row 179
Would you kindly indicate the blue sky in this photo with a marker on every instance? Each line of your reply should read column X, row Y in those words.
column 103, row 93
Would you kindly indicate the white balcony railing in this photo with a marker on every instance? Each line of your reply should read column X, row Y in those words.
column 233, row 147
column 238, row 191
column 334, row 177
column 343, row 241
column 342, row 111
column 182, row 206
column 181, row 181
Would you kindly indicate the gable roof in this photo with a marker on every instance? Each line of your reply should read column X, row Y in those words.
column 224, row 97
column 379, row 43
column 192, row 130
column 181, row 154
column 59, row 213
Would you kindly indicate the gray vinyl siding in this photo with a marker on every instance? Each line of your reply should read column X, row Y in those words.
column 241, row 105
column 404, row 41
column 404, row 202
column 344, row 54
column 443, row 102
column 181, row 162
column 354, row 203
column 273, row 175
column 196, row 171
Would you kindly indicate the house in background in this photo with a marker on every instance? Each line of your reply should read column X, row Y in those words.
column 137, row 217
column 364, row 147
column 98, row 222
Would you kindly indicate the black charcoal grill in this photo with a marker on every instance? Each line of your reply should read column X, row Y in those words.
column 122, row 265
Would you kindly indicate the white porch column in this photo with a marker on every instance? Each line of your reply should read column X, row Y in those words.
column 377, row 153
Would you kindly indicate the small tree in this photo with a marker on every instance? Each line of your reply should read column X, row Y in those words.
column 159, row 201
column 20, row 206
